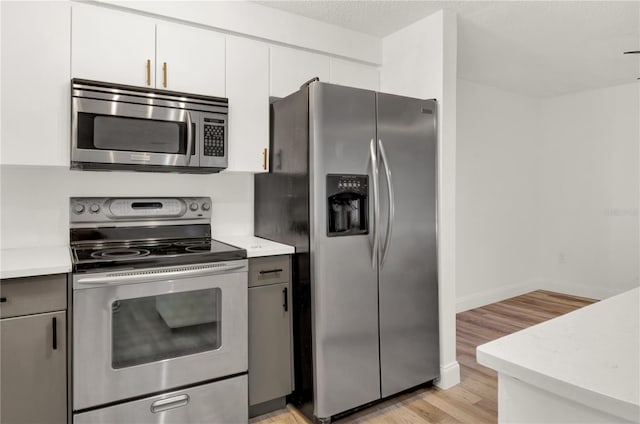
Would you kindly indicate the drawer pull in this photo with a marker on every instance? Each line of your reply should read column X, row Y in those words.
column 271, row 271
column 54, row 326
column 3, row 299
column 285, row 305
column 169, row 403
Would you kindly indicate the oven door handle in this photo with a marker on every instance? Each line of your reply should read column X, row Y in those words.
column 154, row 275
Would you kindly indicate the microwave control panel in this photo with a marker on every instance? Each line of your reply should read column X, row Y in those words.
column 213, row 137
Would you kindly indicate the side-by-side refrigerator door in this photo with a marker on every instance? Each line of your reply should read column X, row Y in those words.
column 344, row 276
column 408, row 280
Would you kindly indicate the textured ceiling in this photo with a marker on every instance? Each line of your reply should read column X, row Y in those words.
column 538, row 48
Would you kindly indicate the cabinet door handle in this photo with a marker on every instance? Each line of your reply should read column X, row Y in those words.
column 149, row 72
column 285, row 293
column 164, row 74
column 54, row 326
column 271, row 271
column 264, row 159
column 3, row 299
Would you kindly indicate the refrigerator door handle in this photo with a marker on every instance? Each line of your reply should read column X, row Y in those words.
column 376, row 202
column 387, row 239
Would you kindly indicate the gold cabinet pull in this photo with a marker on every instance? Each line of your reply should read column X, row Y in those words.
column 149, row 72
column 264, row 159
column 164, row 74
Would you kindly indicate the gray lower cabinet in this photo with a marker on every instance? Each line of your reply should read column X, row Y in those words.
column 270, row 354
column 33, row 350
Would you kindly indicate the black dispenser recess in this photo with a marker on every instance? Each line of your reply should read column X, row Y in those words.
column 347, row 205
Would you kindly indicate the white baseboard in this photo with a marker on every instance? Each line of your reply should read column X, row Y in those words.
column 449, row 375
column 581, row 290
column 501, row 293
column 495, row 295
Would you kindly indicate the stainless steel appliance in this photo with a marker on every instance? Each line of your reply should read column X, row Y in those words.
column 159, row 314
column 353, row 187
column 118, row 127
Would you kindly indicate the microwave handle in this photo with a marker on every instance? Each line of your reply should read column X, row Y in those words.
column 189, row 136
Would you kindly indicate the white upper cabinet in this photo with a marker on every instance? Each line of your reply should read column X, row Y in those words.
column 35, row 83
column 291, row 68
column 124, row 48
column 112, row 46
column 190, row 60
column 354, row 74
column 248, row 91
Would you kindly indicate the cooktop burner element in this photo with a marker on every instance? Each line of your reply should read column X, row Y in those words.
column 200, row 248
column 119, row 253
column 116, row 233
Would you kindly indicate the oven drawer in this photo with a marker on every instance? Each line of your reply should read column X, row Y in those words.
column 33, row 295
column 223, row 401
column 269, row 270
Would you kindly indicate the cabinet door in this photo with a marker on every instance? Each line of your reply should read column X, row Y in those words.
column 355, row 75
column 291, row 68
column 34, row 374
column 269, row 343
column 190, row 60
column 112, row 46
column 248, row 91
column 35, row 83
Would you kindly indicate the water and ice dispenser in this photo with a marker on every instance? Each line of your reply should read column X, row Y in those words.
column 347, row 205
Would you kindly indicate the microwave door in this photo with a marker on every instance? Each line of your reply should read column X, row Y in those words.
column 133, row 134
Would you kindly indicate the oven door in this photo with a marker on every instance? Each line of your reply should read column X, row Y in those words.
column 111, row 132
column 147, row 331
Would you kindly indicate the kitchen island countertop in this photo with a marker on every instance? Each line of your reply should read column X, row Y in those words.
column 590, row 356
column 33, row 261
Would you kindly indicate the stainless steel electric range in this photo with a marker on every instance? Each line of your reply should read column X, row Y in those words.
column 159, row 313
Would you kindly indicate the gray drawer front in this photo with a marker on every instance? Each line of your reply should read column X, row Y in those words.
column 219, row 402
column 269, row 270
column 32, row 295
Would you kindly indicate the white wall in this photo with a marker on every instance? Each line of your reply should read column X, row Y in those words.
column 548, row 193
column 420, row 61
column 498, row 200
column 35, row 200
column 590, row 183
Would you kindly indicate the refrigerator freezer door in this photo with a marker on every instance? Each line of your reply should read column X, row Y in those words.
column 344, row 279
column 408, row 281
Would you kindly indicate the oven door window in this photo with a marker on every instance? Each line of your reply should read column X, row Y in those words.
column 151, row 329
column 118, row 133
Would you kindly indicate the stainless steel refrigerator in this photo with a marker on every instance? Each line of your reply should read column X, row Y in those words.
column 352, row 185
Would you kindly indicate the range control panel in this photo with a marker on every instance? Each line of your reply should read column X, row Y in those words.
column 110, row 209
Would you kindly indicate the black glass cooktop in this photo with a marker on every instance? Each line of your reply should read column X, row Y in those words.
column 107, row 255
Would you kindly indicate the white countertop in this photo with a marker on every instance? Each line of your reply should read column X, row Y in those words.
column 257, row 246
column 590, row 356
column 32, row 261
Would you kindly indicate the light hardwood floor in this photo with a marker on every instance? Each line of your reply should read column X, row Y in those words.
column 474, row 400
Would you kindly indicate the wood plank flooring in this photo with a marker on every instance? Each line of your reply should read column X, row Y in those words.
column 474, row 400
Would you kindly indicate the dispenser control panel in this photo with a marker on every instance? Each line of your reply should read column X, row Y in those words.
column 347, row 183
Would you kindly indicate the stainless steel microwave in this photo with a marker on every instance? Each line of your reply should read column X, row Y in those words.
column 116, row 127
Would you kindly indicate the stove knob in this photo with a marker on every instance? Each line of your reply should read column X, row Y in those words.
column 193, row 206
column 205, row 206
column 94, row 208
column 78, row 208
